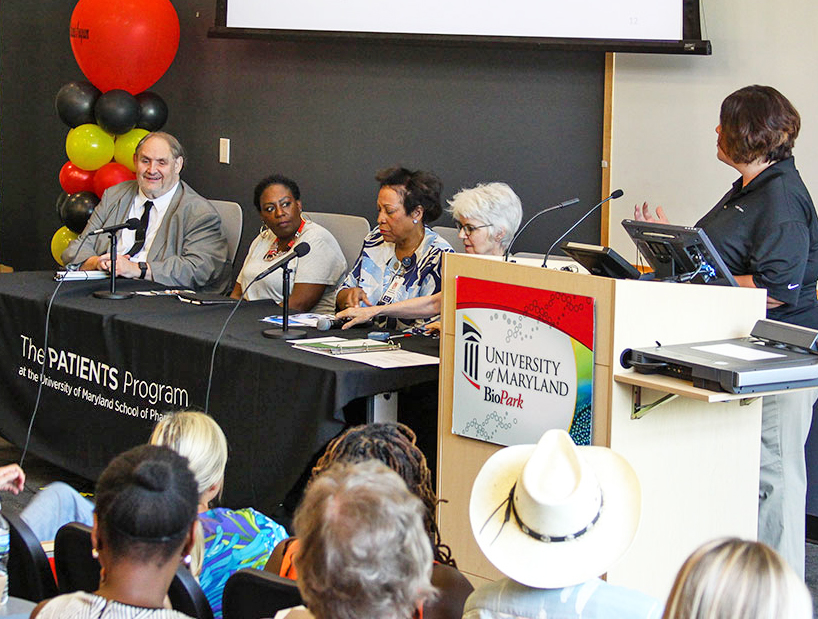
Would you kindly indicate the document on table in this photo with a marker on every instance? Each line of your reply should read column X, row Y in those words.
column 296, row 320
column 378, row 354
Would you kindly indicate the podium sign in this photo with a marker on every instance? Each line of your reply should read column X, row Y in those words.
column 523, row 362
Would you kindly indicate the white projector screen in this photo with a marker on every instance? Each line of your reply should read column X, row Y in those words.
column 635, row 20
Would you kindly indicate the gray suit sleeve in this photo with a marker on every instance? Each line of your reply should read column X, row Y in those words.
column 200, row 260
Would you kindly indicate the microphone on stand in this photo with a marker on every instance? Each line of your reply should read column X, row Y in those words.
column 617, row 193
column 302, row 249
column 542, row 212
column 132, row 224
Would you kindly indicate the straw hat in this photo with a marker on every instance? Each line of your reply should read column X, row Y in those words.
column 553, row 514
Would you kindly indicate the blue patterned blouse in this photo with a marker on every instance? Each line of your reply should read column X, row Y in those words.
column 377, row 268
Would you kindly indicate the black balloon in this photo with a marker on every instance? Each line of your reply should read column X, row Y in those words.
column 60, row 201
column 153, row 111
column 117, row 111
column 75, row 103
column 77, row 209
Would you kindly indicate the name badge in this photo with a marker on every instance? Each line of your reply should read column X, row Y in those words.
column 389, row 295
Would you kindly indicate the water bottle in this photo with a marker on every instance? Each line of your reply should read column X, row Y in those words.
column 5, row 542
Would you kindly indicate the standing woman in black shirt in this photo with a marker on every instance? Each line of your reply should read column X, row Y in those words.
column 766, row 230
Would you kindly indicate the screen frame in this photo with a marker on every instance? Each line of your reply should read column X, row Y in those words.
column 690, row 44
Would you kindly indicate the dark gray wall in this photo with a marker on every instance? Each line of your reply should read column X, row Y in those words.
column 327, row 114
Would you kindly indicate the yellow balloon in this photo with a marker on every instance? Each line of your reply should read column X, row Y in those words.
column 125, row 147
column 60, row 241
column 89, row 147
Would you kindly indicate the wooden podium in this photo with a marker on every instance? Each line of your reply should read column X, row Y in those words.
column 697, row 456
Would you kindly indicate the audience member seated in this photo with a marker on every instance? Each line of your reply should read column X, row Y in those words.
column 737, row 579
column 144, row 526
column 228, row 540
column 486, row 216
column 180, row 241
column 394, row 445
column 316, row 276
column 402, row 258
column 364, row 553
column 553, row 517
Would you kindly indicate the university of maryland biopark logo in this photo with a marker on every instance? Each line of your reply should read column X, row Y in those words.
column 471, row 351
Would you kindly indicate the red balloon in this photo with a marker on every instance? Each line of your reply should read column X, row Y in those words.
column 109, row 175
column 127, row 44
column 74, row 179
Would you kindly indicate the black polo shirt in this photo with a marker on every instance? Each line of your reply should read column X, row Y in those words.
column 769, row 229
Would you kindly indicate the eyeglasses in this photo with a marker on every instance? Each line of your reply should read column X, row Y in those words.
column 468, row 229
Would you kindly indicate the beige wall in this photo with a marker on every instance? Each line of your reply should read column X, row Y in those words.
column 665, row 108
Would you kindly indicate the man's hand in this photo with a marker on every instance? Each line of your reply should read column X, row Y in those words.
column 12, row 478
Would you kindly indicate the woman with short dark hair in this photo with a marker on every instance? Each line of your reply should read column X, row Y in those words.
column 144, row 524
column 401, row 258
column 766, row 230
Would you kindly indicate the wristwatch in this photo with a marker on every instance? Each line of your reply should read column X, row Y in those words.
column 143, row 268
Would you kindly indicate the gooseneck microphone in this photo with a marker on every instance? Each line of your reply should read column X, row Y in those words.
column 617, row 193
column 302, row 249
column 132, row 224
column 542, row 212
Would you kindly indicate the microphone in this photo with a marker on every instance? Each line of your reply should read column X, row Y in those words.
column 132, row 224
column 542, row 212
column 617, row 193
column 302, row 249
column 325, row 323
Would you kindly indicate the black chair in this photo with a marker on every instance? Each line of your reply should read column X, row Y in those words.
column 77, row 570
column 30, row 575
column 253, row 594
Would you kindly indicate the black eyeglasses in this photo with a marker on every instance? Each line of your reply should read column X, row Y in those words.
column 469, row 229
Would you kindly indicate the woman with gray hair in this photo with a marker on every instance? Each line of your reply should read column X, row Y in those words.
column 364, row 552
column 486, row 216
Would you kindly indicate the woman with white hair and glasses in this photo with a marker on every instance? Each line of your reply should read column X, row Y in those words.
column 486, row 216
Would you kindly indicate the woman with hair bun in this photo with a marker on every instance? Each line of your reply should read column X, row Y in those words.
column 144, row 524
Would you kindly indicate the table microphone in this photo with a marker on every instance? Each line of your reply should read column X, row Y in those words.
column 132, row 224
column 325, row 323
column 542, row 212
column 617, row 193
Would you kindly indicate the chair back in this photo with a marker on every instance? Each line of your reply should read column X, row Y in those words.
column 232, row 225
column 253, row 594
column 187, row 597
column 348, row 230
column 450, row 234
column 30, row 575
column 77, row 570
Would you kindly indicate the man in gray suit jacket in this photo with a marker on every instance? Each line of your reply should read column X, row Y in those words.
column 179, row 242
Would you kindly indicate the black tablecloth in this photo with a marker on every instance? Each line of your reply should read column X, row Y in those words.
column 114, row 366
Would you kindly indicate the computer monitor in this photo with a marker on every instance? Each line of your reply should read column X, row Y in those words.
column 600, row 260
column 679, row 253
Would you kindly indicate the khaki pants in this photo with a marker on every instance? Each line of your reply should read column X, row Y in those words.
column 782, row 488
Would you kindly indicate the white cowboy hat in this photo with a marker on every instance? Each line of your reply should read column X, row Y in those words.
column 553, row 514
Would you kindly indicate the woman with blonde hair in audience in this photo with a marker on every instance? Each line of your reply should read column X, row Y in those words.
column 228, row 540
column 144, row 524
column 394, row 445
column 736, row 579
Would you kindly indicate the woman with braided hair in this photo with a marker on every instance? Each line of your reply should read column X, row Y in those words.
column 394, row 444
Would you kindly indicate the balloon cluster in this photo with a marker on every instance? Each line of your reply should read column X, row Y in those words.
column 123, row 48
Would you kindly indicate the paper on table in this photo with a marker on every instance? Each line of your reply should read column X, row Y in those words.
column 296, row 320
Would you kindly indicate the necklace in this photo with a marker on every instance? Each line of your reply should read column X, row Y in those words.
column 274, row 248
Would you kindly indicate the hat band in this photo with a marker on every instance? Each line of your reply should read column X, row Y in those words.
column 540, row 537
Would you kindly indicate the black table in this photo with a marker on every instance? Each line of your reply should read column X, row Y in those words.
column 115, row 366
